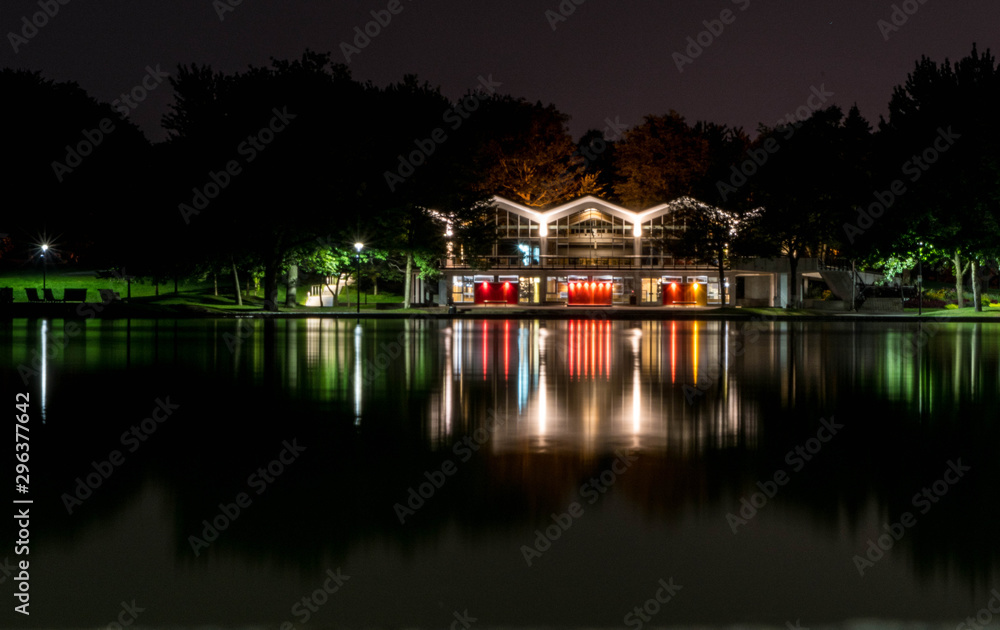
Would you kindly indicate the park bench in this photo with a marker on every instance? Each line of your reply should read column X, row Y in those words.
column 49, row 296
column 32, row 295
column 75, row 295
column 504, row 302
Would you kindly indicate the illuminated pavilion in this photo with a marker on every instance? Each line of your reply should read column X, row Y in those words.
column 546, row 256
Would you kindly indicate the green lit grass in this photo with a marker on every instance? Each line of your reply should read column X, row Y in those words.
column 190, row 293
column 968, row 311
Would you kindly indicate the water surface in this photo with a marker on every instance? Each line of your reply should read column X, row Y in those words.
column 566, row 469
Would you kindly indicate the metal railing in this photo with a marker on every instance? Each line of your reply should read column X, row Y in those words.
column 577, row 262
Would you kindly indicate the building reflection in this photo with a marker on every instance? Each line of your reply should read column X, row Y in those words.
column 591, row 385
column 711, row 406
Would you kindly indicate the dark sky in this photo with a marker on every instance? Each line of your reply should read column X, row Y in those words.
column 608, row 58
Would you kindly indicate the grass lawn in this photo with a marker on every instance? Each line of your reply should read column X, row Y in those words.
column 190, row 292
column 768, row 311
column 59, row 281
column 968, row 311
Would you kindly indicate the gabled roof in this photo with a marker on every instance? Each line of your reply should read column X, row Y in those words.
column 584, row 203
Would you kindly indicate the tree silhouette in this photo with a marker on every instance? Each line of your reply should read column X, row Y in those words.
column 943, row 128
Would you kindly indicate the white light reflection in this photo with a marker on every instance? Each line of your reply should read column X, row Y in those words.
column 449, row 375
column 45, row 366
column 636, row 386
column 543, row 388
column 357, row 375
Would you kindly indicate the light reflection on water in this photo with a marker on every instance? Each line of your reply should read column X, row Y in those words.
column 711, row 407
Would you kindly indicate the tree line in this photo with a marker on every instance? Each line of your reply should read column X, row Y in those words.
column 281, row 169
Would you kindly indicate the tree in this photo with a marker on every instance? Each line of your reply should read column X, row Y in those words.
column 943, row 129
column 272, row 146
column 442, row 190
column 807, row 187
column 661, row 160
column 524, row 152
column 711, row 234
column 78, row 170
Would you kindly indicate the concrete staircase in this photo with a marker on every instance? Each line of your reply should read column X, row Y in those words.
column 840, row 282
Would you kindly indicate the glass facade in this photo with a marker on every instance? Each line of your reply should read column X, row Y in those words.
column 581, row 241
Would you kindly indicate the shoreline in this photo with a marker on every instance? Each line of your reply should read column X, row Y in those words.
column 79, row 311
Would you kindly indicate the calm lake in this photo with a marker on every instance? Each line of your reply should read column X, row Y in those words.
column 420, row 473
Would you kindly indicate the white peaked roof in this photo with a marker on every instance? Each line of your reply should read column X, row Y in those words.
column 591, row 202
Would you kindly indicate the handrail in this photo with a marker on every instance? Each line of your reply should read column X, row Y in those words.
column 548, row 261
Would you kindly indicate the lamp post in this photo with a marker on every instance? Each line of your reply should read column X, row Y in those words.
column 920, row 280
column 45, row 264
column 357, row 287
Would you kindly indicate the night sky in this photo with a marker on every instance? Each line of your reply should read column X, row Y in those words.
column 605, row 60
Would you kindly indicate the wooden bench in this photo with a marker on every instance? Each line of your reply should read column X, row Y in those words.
column 49, row 296
column 504, row 302
column 33, row 295
column 75, row 295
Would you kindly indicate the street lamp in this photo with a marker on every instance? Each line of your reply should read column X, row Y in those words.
column 920, row 280
column 358, row 247
column 45, row 264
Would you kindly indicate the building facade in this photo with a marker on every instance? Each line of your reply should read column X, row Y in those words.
column 545, row 255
